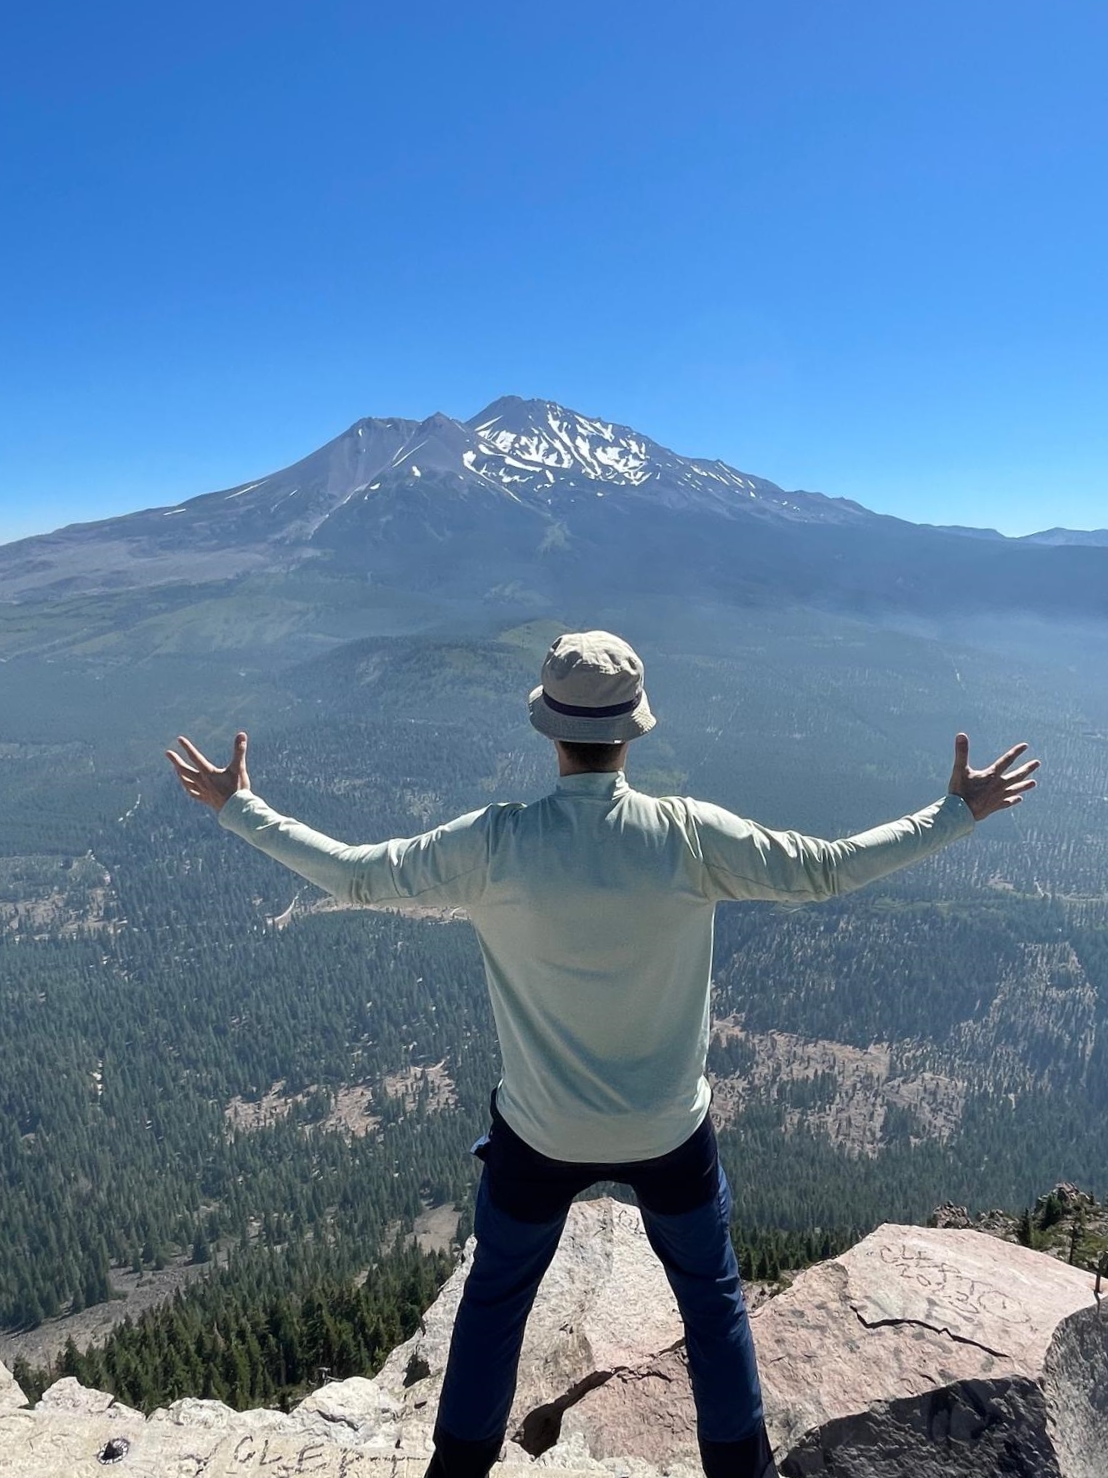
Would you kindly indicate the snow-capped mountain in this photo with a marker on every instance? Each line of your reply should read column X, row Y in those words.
column 533, row 446
column 533, row 505
column 385, row 480
column 537, row 453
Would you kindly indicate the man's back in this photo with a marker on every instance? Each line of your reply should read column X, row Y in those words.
column 596, row 930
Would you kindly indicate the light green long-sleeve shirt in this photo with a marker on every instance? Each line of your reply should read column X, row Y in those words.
column 594, row 909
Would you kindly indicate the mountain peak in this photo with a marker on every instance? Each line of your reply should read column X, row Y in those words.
column 391, row 478
column 503, row 406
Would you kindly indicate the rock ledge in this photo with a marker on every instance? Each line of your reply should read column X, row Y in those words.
column 927, row 1352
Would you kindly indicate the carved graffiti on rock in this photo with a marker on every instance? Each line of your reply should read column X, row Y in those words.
column 946, row 1283
column 629, row 1220
column 261, row 1454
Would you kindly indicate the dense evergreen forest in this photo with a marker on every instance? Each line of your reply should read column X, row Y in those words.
column 235, row 1339
column 201, row 1059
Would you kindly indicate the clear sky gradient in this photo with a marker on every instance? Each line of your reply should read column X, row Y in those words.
column 853, row 247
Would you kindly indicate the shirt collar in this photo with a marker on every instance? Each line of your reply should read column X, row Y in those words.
column 599, row 783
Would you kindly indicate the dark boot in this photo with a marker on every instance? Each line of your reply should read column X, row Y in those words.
column 454, row 1458
column 750, row 1457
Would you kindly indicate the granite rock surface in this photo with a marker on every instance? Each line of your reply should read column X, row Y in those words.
column 11, row 1394
column 920, row 1353
column 925, row 1351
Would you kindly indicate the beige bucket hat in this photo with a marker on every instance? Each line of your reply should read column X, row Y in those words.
column 591, row 691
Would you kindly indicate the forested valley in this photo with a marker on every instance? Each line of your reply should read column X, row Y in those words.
column 204, row 1063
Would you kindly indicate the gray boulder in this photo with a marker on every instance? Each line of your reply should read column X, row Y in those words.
column 11, row 1394
column 600, row 1368
column 70, row 1396
column 937, row 1352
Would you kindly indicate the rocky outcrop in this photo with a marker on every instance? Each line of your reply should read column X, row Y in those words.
column 920, row 1352
column 1054, row 1220
column 11, row 1394
column 604, row 1311
column 930, row 1349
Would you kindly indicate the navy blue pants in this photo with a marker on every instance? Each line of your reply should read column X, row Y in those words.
column 522, row 1203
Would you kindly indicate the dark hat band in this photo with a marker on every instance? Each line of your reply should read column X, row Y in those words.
column 572, row 710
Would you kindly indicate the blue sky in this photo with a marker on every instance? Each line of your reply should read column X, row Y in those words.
column 859, row 248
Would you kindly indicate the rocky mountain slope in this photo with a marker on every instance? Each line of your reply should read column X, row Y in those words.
column 532, row 458
column 529, row 502
column 921, row 1352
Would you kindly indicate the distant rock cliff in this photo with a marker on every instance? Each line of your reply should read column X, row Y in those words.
column 920, row 1353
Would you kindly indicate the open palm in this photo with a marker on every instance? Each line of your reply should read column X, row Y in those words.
column 994, row 788
column 206, row 782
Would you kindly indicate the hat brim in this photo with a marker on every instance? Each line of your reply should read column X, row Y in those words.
column 572, row 729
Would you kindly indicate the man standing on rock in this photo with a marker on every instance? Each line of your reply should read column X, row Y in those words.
column 594, row 910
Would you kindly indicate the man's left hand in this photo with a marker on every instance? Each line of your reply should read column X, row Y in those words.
column 996, row 788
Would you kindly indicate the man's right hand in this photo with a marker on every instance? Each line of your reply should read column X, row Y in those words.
column 989, row 790
column 203, row 781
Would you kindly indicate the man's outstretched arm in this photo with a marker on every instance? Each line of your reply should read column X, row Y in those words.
column 745, row 860
column 446, row 866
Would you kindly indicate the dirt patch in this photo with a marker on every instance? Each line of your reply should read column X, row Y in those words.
column 833, row 1088
column 91, row 1326
column 315, row 904
column 434, row 1229
column 433, row 1086
column 352, row 1106
column 51, row 896
column 351, row 1114
column 246, row 1115
column 407, row 909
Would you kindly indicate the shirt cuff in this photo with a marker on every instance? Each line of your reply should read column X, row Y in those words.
column 955, row 809
column 234, row 812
